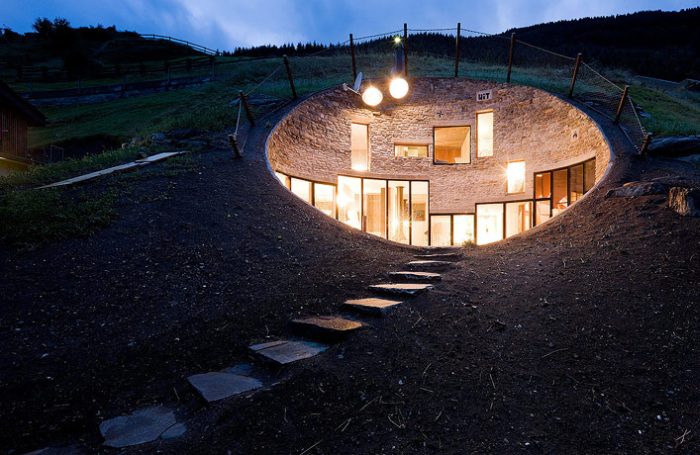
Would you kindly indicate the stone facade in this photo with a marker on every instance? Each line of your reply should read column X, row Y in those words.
column 313, row 141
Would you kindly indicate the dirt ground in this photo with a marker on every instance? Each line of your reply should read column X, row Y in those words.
column 580, row 336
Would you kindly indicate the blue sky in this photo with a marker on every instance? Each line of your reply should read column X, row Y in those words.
column 226, row 24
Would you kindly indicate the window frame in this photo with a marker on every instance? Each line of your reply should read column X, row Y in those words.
column 469, row 138
column 408, row 144
column 493, row 135
column 508, row 193
column 551, row 187
column 368, row 152
column 452, row 216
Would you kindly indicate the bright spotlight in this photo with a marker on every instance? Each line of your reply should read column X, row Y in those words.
column 397, row 40
column 398, row 87
column 372, row 96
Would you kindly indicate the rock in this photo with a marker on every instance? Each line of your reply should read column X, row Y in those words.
column 685, row 201
column 143, row 425
column 285, row 351
column 333, row 327
column 416, row 276
column 158, row 138
column 372, row 305
column 401, row 288
column 216, row 386
column 675, row 145
column 175, row 431
column 636, row 189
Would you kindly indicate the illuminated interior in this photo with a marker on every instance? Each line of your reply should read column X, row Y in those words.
column 434, row 176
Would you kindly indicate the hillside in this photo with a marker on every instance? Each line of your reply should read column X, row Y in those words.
column 61, row 51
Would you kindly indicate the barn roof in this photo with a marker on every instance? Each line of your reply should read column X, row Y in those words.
column 9, row 97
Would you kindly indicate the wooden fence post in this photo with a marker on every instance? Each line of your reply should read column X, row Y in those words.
column 248, row 113
column 645, row 144
column 510, row 56
column 354, row 65
column 575, row 75
column 620, row 106
column 459, row 30
column 289, row 76
column 405, row 49
column 234, row 146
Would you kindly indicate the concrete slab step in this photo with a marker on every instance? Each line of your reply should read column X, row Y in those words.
column 141, row 426
column 284, row 352
column 416, row 276
column 326, row 327
column 429, row 263
column 443, row 256
column 215, row 386
column 409, row 289
column 372, row 305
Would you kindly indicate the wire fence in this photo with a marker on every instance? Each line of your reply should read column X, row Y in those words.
column 271, row 81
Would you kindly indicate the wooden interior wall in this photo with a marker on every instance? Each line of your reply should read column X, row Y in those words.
column 13, row 133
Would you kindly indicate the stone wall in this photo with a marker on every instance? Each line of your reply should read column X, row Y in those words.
column 313, row 141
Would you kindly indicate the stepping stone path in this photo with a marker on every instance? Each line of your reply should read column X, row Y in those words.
column 439, row 255
column 372, row 305
column 327, row 326
column 285, row 351
column 417, row 276
column 429, row 263
column 143, row 425
column 216, row 386
column 401, row 288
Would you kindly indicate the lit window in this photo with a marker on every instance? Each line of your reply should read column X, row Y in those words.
column 399, row 221
column 451, row 145
column 302, row 188
column 489, row 223
column 484, row 134
column 515, row 173
column 283, row 178
column 518, row 217
column 359, row 145
column 324, row 198
column 543, row 211
column 560, row 191
column 463, row 229
column 543, row 185
column 411, row 151
column 419, row 213
column 440, row 230
column 350, row 201
column 588, row 175
column 575, row 183
column 374, row 206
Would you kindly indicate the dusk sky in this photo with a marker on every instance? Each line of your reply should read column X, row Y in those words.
column 226, row 24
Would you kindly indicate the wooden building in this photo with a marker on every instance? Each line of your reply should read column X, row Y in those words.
column 16, row 116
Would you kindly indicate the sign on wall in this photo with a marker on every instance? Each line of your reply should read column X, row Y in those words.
column 484, row 95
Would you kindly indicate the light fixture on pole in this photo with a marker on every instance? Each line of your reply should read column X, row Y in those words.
column 398, row 87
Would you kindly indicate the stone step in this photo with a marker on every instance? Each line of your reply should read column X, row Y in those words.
column 327, row 327
column 372, row 305
column 285, row 351
column 142, row 426
column 439, row 256
column 428, row 263
column 218, row 385
column 401, row 288
column 416, row 276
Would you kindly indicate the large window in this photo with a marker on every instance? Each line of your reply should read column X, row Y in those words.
column 374, row 208
column 284, row 179
column 489, row 223
column 518, row 217
column 324, row 198
column 515, row 174
column 440, row 230
column 419, row 213
column 575, row 183
column 588, row 175
column 359, row 145
column 451, row 144
column 558, row 189
column 302, row 188
column 399, row 213
column 350, row 201
column 447, row 230
column 484, row 134
column 411, row 151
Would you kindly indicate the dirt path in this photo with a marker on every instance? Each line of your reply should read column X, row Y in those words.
column 579, row 337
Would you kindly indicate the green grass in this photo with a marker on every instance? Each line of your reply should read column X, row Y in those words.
column 30, row 218
column 669, row 115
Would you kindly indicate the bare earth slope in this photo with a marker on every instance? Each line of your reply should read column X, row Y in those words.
column 579, row 337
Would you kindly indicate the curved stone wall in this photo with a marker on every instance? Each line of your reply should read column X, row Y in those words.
column 313, row 141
